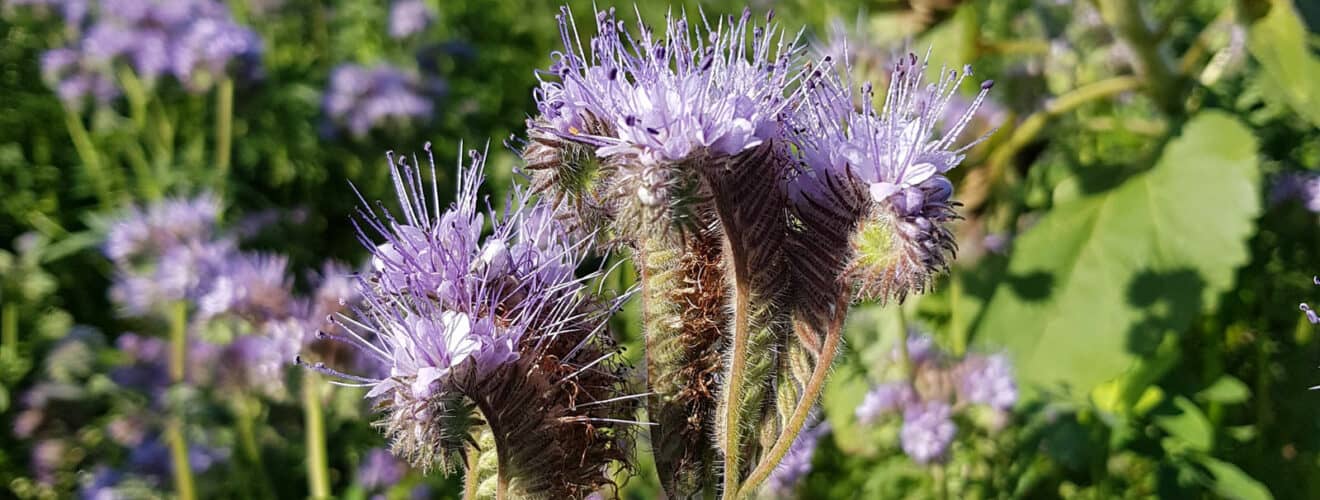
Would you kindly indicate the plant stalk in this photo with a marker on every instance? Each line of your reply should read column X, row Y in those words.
column 9, row 330
column 318, row 469
column 810, row 394
column 91, row 160
column 737, row 367
column 224, row 127
column 183, row 480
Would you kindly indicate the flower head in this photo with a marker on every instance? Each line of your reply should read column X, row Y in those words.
column 361, row 98
column 709, row 89
column 987, row 380
column 927, row 432
column 884, row 399
column 497, row 324
column 882, row 173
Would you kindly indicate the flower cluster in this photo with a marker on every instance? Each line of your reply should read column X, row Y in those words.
column 885, row 170
column 934, row 392
column 498, row 326
column 196, row 41
column 361, row 98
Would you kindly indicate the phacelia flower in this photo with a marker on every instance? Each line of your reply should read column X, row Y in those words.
column 154, row 229
column 884, row 399
column 699, row 89
column 797, row 462
column 987, row 380
column 498, row 326
column 927, row 432
column 379, row 470
column 881, row 173
column 361, row 98
column 409, row 17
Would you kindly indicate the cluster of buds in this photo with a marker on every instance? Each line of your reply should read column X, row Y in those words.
column 758, row 200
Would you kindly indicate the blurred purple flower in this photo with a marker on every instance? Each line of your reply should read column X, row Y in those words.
column 76, row 80
column 361, row 98
column 987, row 380
column 1301, row 186
column 796, row 464
column 884, row 399
column 161, row 226
column 380, row 470
column 47, row 457
column 210, row 48
column 409, row 17
column 927, row 432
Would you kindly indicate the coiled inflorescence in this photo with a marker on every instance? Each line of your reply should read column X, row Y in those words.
column 488, row 334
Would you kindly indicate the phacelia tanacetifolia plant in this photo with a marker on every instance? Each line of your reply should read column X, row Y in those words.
column 758, row 201
column 499, row 356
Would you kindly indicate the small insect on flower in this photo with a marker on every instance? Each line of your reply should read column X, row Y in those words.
column 493, row 335
column 878, row 175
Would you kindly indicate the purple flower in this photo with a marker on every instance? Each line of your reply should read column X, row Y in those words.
column 883, row 400
column 161, row 226
column 797, row 462
column 209, row 48
column 379, row 470
column 927, row 432
column 75, row 79
column 883, row 172
column 253, row 285
column 712, row 87
column 500, row 319
column 438, row 283
column 361, row 98
column 987, row 380
column 409, row 17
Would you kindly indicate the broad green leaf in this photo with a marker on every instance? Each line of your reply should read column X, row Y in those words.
column 1190, row 426
column 1228, row 390
column 1099, row 280
column 1278, row 42
column 1232, row 483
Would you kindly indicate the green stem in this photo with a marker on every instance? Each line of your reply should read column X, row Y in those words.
column 904, row 357
column 247, row 410
column 807, row 401
column 224, row 127
column 91, row 160
column 183, row 480
column 1124, row 18
column 9, row 331
column 737, row 365
column 1034, row 124
column 471, row 479
column 318, row 469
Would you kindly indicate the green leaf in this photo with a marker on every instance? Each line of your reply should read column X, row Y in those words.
column 1278, row 42
column 1099, row 280
column 1231, row 482
column 1227, row 390
column 1189, row 426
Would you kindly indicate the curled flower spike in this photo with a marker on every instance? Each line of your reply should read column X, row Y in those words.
column 490, row 335
column 878, row 175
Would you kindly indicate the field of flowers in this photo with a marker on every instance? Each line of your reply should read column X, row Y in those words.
column 798, row 249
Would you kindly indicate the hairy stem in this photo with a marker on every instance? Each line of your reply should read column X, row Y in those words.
column 810, row 394
column 734, row 382
column 318, row 469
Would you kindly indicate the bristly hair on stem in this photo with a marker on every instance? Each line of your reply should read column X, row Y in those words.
column 489, row 333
